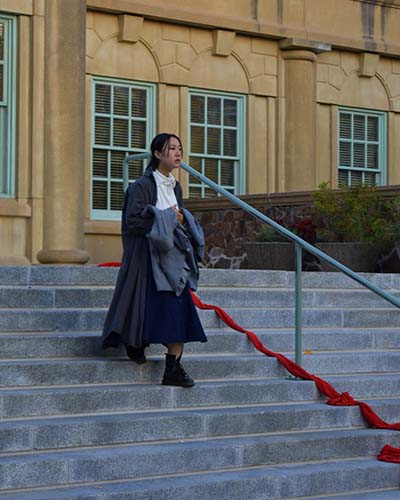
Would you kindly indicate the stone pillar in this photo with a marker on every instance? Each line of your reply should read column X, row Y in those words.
column 300, row 112
column 64, row 130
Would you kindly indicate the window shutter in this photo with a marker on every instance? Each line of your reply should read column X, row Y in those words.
column 197, row 105
column 102, row 131
column 197, row 140
column 345, row 154
column 99, row 165
column 345, row 125
column 99, row 195
column 359, row 127
column 121, row 101
column 103, row 99
column 138, row 135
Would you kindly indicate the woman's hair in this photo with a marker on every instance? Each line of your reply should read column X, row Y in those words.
column 160, row 143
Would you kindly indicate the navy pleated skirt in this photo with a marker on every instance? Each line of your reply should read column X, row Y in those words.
column 170, row 318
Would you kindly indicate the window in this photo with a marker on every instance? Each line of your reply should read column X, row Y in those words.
column 122, row 123
column 216, row 141
column 7, row 105
column 362, row 148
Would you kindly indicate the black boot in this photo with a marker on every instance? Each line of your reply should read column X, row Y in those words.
column 174, row 373
column 136, row 354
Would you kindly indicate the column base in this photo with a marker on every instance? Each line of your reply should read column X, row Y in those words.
column 72, row 256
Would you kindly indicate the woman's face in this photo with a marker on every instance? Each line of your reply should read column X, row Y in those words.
column 170, row 156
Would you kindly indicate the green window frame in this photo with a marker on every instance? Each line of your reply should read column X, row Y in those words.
column 362, row 147
column 123, row 123
column 216, row 141
column 8, row 56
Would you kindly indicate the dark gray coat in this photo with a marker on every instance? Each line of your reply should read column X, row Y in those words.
column 124, row 321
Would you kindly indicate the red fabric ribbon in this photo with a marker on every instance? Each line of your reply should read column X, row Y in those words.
column 387, row 454
column 345, row 399
column 109, row 264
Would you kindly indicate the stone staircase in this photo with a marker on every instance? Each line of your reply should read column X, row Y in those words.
column 78, row 422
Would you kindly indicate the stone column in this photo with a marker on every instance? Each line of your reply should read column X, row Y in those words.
column 64, row 130
column 300, row 112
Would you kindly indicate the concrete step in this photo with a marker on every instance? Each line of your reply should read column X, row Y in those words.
column 261, row 483
column 284, row 297
column 28, row 320
column 133, row 428
column 367, row 386
column 101, row 371
column 82, row 344
column 108, row 398
column 80, row 422
column 392, row 494
column 201, row 367
column 100, row 297
column 228, row 278
column 147, row 460
column 80, row 400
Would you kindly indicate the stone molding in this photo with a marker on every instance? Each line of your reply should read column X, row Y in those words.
column 17, row 7
column 305, row 45
column 261, row 26
column 299, row 55
column 13, row 208
column 130, row 28
column 368, row 64
column 223, row 42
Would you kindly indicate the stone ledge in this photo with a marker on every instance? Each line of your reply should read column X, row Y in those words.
column 10, row 207
column 102, row 227
column 274, row 199
column 17, row 6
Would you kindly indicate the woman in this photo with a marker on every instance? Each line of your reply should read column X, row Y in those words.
column 162, row 244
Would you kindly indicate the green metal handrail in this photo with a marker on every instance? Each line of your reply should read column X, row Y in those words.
column 300, row 244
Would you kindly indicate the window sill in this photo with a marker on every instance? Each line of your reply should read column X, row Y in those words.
column 10, row 207
column 102, row 227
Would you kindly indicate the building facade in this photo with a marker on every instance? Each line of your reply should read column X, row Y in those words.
column 268, row 96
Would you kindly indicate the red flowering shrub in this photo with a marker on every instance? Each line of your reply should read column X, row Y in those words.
column 306, row 229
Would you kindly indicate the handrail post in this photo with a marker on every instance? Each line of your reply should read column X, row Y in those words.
column 125, row 166
column 298, row 306
column 125, row 172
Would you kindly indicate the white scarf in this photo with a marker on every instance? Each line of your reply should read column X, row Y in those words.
column 165, row 190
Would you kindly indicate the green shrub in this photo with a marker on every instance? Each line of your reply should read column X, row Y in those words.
column 356, row 214
column 267, row 233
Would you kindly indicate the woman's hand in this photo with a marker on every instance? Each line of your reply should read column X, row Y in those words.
column 179, row 215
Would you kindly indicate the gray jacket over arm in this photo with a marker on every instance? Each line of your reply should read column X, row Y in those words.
column 175, row 249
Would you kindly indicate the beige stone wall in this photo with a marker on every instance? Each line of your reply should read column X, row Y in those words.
column 269, row 51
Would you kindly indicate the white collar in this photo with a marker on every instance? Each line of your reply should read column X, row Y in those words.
column 164, row 180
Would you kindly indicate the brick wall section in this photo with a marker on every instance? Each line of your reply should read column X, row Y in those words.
column 227, row 226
